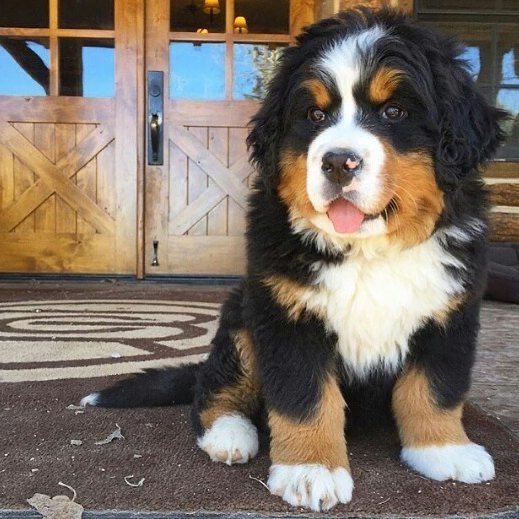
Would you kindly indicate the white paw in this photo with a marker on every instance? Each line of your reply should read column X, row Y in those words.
column 231, row 439
column 90, row 399
column 313, row 486
column 469, row 463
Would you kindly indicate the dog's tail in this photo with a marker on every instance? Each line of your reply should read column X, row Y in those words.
column 153, row 387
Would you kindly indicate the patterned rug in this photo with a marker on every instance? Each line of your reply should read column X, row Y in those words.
column 85, row 338
column 61, row 341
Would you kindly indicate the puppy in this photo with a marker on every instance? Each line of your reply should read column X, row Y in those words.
column 366, row 262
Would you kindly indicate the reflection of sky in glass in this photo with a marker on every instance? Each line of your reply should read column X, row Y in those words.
column 508, row 69
column 508, row 99
column 14, row 80
column 472, row 56
column 197, row 71
column 253, row 66
column 98, row 72
column 245, row 71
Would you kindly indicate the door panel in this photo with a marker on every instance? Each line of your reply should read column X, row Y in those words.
column 68, row 164
column 203, row 187
column 196, row 202
column 57, row 206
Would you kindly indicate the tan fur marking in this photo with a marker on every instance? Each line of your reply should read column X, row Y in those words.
column 241, row 397
column 320, row 439
column 289, row 294
column 413, row 199
column 442, row 316
column 292, row 188
column 319, row 92
column 383, row 84
column 420, row 421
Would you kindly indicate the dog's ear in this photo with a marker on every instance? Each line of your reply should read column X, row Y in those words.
column 470, row 130
column 267, row 128
column 264, row 138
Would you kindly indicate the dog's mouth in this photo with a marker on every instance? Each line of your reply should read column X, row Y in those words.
column 346, row 217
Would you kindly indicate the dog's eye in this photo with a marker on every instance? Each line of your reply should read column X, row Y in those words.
column 316, row 115
column 393, row 112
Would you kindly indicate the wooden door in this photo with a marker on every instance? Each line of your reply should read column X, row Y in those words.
column 216, row 62
column 68, row 135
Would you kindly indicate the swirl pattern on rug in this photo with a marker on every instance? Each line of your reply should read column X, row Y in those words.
column 48, row 340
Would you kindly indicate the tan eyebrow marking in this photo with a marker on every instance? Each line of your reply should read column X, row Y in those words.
column 384, row 83
column 319, row 91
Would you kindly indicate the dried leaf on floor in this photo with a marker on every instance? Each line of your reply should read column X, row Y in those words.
column 76, row 408
column 72, row 407
column 116, row 435
column 59, row 507
column 129, row 483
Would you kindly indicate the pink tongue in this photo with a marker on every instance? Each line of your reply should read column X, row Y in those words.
column 346, row 218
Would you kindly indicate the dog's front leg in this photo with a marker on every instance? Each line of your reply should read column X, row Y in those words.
column 428, row 403
column 309, row 460
column 306, row 410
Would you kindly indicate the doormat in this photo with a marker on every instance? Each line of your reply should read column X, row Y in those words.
column 57, row 344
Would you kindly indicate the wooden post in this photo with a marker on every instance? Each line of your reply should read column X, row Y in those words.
column 325, row 8
column 301, row 15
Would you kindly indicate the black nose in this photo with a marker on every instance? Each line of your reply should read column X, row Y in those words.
column 340, row 166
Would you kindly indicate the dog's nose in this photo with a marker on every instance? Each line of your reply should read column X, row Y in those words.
column 340, row 166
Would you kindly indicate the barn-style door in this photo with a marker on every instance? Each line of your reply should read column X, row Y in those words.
column 102, row 174
column 56, row 212
column 216, row 57
column 68, row 135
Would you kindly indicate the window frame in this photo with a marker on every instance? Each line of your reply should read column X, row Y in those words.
column 53, row 33
column 229, row 37
column 493, row 19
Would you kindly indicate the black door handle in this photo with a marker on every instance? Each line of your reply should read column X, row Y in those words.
column 155, row 117
column 155, row 137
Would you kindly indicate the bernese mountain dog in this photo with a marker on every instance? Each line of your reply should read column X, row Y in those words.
column 367, row 229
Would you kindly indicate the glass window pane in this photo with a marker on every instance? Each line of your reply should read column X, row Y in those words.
column 24, row 66
column 508, row 99
column 87, row 67
column 197, row 15
column 478, row 52
column 511, row 5
column 491, row 55
column 197, row 70
column 86, row 14
column 26, row 13
column 469, row 5
column 257, row 19
column 254, row 65
column 508, row 55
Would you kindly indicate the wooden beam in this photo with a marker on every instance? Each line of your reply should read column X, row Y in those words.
column 504, row 193
column 504, row 226
column 502, row 169
column 54, row 48
column 58, row 110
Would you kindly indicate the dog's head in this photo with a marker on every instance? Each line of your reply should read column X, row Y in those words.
column 370, row 122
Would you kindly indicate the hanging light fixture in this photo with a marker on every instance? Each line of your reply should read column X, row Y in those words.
column 211, row 7
column 240, row 25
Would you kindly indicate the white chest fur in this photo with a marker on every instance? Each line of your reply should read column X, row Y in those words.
column 375, row 304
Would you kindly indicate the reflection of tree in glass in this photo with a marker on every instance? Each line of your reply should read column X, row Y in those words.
column 264, row 60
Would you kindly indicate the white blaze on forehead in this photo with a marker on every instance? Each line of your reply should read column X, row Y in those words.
column 342, row 62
